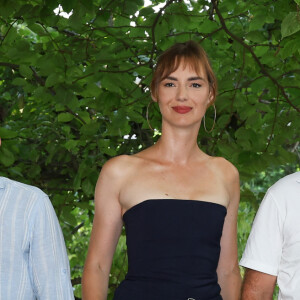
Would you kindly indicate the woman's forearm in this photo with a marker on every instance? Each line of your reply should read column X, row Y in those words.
column 94, row 284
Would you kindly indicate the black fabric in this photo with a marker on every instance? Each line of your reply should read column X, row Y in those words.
column 173, row 250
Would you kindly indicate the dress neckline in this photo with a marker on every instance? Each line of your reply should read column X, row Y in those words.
column 132, row 208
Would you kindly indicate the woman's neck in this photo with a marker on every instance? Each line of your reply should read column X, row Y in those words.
column 178, row 145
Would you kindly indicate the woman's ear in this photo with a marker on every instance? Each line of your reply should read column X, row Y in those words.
column 154, row 98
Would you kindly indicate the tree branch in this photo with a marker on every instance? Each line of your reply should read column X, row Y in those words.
column 5, row 35
column 76, row 281
column 75, row 229
column 169, row 2
column 5, row 64
column 68, row 109
column 232, row 101
column 262, row 68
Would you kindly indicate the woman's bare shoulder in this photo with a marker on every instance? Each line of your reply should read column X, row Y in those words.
column 120, row 166
column 226, row 169
column 117, row 163
column 115, row 172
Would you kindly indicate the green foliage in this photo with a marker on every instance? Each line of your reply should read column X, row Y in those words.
column 290, row 24
column 72, row 88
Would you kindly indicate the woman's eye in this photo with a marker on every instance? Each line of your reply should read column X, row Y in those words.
column 169, row 84
column 196, row 85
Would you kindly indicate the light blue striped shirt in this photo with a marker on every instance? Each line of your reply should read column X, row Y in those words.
column 33, row 259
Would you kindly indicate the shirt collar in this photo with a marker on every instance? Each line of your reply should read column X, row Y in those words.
column 298, row 179
column 2, row 183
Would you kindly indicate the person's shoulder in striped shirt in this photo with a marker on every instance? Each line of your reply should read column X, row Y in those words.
column 33, row 258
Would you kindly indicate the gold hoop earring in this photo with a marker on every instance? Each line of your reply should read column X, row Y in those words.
column 147, row 114
column 215, row 116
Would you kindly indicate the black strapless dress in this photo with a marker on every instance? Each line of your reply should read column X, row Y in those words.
column 173, row 250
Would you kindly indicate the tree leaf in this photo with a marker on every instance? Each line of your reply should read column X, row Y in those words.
column 7, row 133
column 90, row 129
column 25, row 71
column 7, row 158
column 19, row 81
column 65, row 117
column 53, row 79
column 88, row 187
column 290, row 24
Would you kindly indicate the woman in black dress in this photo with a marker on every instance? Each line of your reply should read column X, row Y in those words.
column 179, row 205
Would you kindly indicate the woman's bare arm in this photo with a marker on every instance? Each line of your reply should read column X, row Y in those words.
column 228, row 270
column 107, row 227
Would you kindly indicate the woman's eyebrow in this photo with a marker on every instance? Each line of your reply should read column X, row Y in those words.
column 196, row 78
column 171, row 78
column 189, row 79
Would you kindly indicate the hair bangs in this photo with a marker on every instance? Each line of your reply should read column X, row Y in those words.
column 172, row 64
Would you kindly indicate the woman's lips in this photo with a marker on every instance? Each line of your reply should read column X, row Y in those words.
column 182, row 109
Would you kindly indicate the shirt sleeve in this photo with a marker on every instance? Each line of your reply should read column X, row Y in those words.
column 48, row 260
column 264, row 246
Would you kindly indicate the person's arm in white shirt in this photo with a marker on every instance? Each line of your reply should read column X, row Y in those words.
column 262, row 254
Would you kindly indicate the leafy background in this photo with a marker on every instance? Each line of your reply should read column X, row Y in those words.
column 74, row 92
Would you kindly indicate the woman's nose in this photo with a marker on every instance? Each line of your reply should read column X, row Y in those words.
column 182, row 93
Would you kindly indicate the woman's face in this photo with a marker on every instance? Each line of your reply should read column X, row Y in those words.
column 183, row 96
